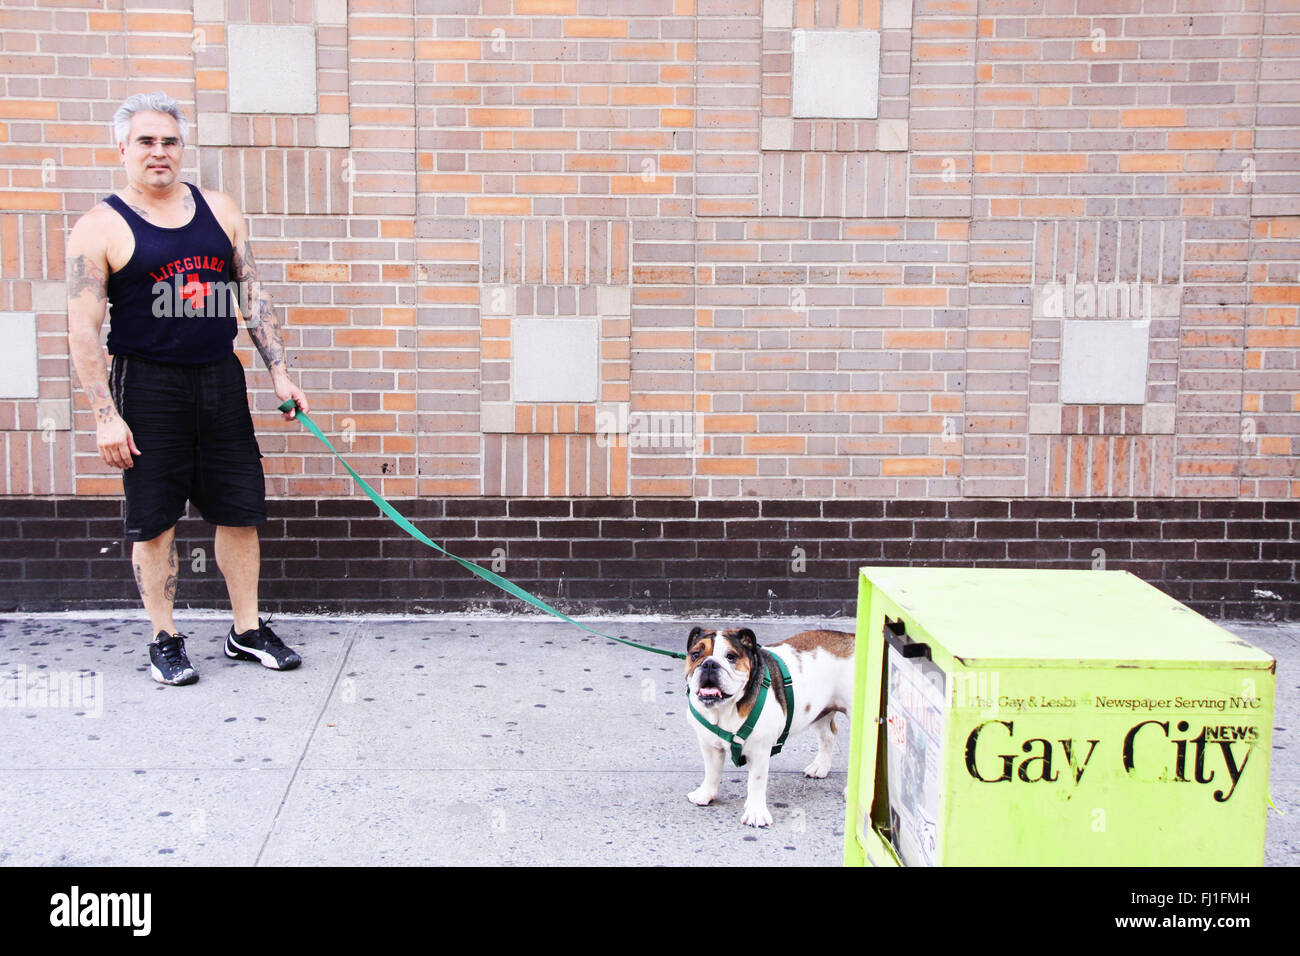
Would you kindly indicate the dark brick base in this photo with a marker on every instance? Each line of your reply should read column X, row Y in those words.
column 706, row 558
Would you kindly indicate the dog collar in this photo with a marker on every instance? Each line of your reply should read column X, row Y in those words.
column 738, row 739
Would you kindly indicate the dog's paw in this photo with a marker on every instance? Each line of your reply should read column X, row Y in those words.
column 817, row 769
column 756, row 816
column 701, row 797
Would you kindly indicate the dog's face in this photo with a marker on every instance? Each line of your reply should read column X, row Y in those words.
column 719, row 664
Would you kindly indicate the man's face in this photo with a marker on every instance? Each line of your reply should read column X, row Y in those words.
column 152, row 151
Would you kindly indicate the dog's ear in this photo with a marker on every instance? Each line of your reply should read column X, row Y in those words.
column 747, row 638
column 696, row 631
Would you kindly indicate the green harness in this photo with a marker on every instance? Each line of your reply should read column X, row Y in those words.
column 737, row 740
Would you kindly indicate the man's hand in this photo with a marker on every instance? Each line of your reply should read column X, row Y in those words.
column 116, row 443
column 285, row 390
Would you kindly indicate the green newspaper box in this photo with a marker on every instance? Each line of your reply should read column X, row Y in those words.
column 1026, row 717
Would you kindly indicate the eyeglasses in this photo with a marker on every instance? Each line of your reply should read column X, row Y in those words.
column 147, row 142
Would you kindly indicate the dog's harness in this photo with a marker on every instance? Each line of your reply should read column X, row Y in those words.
column 738, row 739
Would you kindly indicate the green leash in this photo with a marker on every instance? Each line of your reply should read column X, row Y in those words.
column 738, row 739
column 492, row 578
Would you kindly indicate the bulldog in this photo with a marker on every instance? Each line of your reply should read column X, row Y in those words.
column 724, row 675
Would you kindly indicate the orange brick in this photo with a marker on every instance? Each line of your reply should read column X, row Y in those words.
column 72, row 133
column 158, row 22
column 1275, row 293
column 594, row 163
column 622, row 185
column 99, row 486
column 546, row 8
column 210, row 79
column 523, row 419
column 1150, row 163
column 903, row 467
column 998, row 339
column 449, row 50
column 29, row 200
column 1273, row 338
column 1052, row 207
column 316, row 272
column 1016, row 274
column 1154, row 117
column 1275, row 445
column 728, row 466
column 498, row 206
column 397, row 228
column 29, row 109
column 922, row 424
column 1200, row 139
column 313, row 316
column 641, row 95
column 729, row 423
column 499, row 117
column 603, row 27
column 1056, row 163
column 397, row 316
column 929, row 339
column 399, row 401
column 1199, row 184
column 916, row 295
column 382, row 338
column 866, row 403
column 544, row 139
column 1004, row 95
column 450, row 183
column 776, row 445
column 546, row 184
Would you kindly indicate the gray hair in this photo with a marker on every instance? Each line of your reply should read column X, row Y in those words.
column 157, row 102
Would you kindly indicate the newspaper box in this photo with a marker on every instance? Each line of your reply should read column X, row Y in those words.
column 1027, row 717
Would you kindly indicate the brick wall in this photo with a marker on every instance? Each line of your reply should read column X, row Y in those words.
column 695, row 557
column 816, row 309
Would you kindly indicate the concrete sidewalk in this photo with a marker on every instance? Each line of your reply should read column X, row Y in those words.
column 431, row 740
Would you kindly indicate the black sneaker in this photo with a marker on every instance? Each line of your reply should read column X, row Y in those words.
column 262, row 646
column 168, row 662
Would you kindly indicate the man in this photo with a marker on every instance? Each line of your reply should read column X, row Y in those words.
column 166, row 257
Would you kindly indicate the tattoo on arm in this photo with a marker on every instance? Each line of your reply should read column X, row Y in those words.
column 84, row 275
column 259, row 317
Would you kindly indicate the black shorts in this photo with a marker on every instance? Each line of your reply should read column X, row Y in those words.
column 196, row 441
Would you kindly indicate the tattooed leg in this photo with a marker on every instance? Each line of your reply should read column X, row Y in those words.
column 156, row 575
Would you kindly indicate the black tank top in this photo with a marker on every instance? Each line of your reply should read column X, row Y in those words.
column 172, row 302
